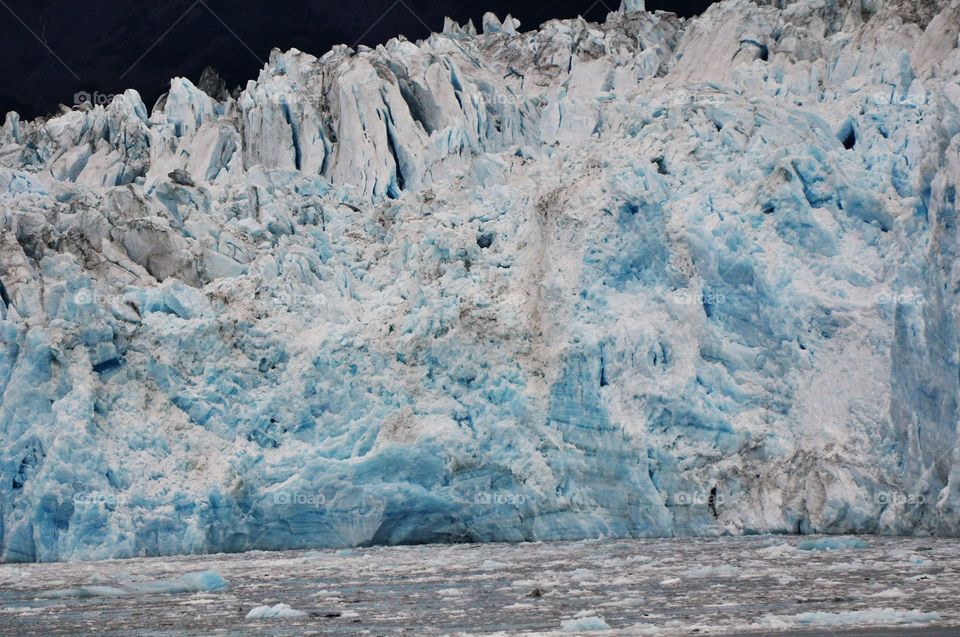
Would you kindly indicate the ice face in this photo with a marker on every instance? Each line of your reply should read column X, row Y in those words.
column 645, row 277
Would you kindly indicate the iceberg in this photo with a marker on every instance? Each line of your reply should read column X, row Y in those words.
column 884, row 616
column 833, row 544
column 278, row 611
column 588, row 623
column 584, row 621
column 203, row 581
column 644, row 277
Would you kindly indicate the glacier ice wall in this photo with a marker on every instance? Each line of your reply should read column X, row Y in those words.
column 645, row 277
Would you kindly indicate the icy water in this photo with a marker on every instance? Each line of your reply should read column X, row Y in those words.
column 754, row 585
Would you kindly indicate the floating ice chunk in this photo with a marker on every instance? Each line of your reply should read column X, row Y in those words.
column 202, row 581
column 778, row 550
column 580, row 574
column 581, row 624
column 890, row 593
column 725, row 570
column 280, row 610
column 86, row 591
column 877, row 616
column 12, row 574
column 190, row 583
column 832, row 544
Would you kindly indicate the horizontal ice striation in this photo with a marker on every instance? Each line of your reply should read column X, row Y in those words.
column 645, row 277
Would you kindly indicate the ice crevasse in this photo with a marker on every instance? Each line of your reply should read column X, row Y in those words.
column 648, row 277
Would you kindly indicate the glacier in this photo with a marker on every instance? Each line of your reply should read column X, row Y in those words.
column 650, row 277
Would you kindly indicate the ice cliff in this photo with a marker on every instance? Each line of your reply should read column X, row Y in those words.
column 645, row 277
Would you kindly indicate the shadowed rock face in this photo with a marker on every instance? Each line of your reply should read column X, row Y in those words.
column 645, row 277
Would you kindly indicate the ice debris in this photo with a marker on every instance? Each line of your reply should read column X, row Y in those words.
column 204, row 581
column 869, row 616
column 586, row 623
column 277, row 611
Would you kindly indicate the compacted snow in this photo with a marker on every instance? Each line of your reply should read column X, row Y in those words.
column 649, row 277
column 664, row 587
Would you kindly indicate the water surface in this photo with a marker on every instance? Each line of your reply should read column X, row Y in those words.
column 759, row 585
